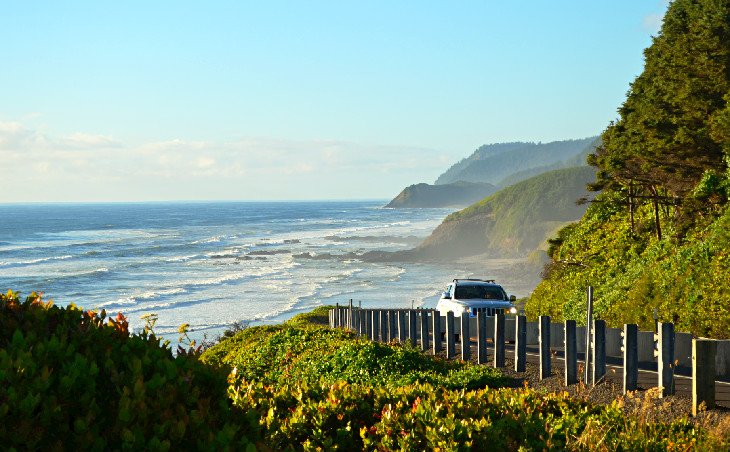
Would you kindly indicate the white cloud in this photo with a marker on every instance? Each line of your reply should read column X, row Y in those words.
column 205, row 162
column 85, row 166
column 85, row 140
column 14, row 136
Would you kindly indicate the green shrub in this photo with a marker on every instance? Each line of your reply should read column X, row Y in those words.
column 309, row 353
column 68, row 379
column 423, row 417
column 633, row 273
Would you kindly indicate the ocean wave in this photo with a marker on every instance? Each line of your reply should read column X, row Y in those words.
column 132, row 300
column 118, row 303
column 214, row 239
column 157, row 293
column 34, row 261
column 181, row 258
column 396, row 276
column 86, row 272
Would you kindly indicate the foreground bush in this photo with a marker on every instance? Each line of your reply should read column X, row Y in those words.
column 70, row 380
column 309, row 353
column 319, row 388
column 423, row 417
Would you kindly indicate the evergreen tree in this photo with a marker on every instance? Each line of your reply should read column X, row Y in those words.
column 674, row 126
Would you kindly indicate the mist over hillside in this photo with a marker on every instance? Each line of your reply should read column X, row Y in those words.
column 494, row 163
column 514, row 221
column 491, row 167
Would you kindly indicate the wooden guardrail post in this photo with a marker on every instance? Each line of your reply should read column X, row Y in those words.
column 520, row 343
column 331, row 314
column 571, row 353
column 337, row 315
column 412, row 326
column 544, row 334
column 376, row 325
column 482, row 337
column 383, row 324
column 368, row 315
column 631, row 356
column 589, row 324
column 599, row 350
column 393, row 324
column 424, row 329
column 450, row 346
column 499, row 340
column 703, row 374
column 465, row 337
column 350, row 324
column 665, row 357
column 401, row 326
column 436, row 328
column 362, row 321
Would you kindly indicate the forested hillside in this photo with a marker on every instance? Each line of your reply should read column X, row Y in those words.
column 456, row 194
column 495, row 162
column 657, row 236
column 513, row 221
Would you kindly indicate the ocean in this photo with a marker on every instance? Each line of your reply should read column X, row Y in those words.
column 211, row 264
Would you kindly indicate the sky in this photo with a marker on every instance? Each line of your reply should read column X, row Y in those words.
column 273, row 100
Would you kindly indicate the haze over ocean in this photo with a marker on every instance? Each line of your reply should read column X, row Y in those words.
column 211, row 263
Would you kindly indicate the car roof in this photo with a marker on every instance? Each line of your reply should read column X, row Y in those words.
column 475, row 282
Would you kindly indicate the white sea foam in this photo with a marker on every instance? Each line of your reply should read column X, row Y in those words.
column 214, row 239
column 34, row 261
column 159, row 292
column 181, row 258
column 87, row 272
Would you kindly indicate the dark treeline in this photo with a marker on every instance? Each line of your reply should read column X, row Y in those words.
column 656, row 240
column 670, row 145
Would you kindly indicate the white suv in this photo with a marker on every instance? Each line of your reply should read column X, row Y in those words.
column 469, row 296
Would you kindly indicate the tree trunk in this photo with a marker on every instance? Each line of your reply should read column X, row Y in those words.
column 655, row 202
column 631, row 205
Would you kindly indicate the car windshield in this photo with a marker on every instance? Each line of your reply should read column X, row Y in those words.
column 482, row 292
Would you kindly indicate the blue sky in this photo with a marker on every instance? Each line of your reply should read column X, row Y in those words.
column 130, row 101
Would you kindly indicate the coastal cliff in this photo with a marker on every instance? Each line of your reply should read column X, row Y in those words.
column 448, row 195
column 514, row 221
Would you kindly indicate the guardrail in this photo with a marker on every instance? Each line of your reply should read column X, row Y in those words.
column 667, row 352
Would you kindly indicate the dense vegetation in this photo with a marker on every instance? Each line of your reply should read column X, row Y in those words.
column 494, row 163
column 278, row 354
column 448, row 195
column 321, row 388
column 72, row 379
column 515, row 220
column 656, row 237
column 635, row 273
column 68, row 380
